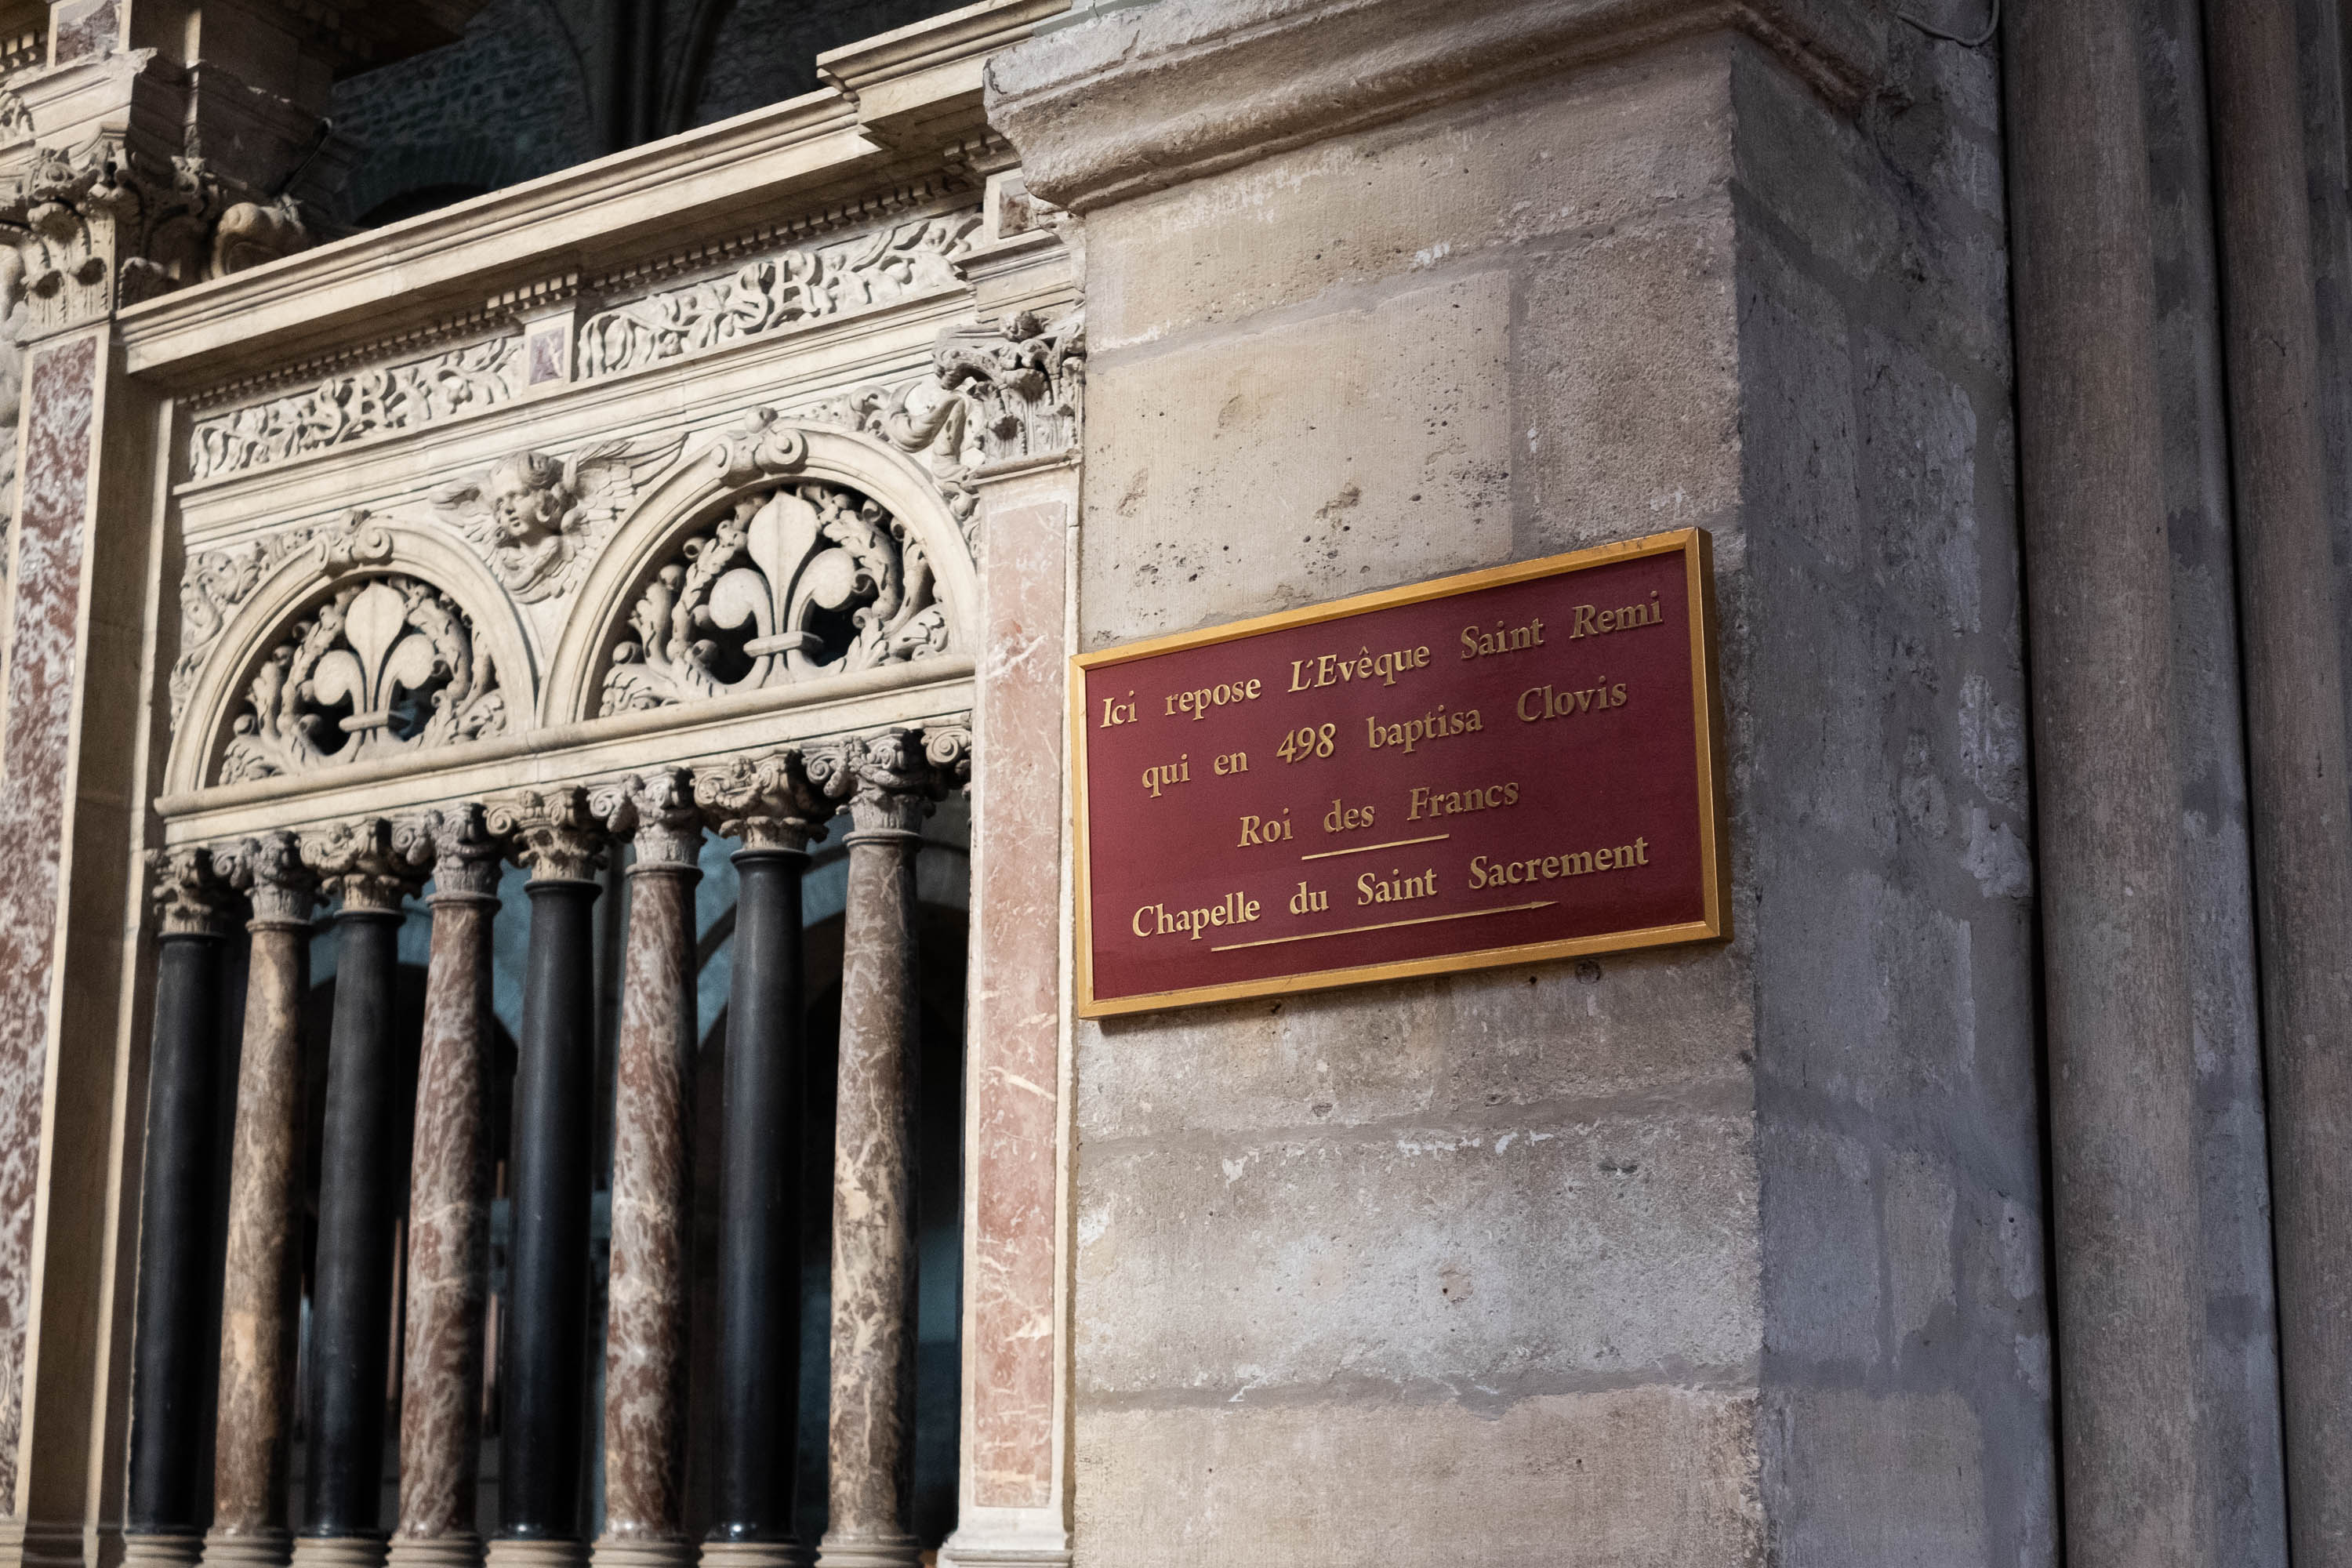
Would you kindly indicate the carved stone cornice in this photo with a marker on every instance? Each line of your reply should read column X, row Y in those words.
column 191, row 897
column 551, row 833
column 768, row 802
column 456, row 844
column 268, row 870
column 887, row 780
column 358, row 862
column 1146, row 98
column 656, row 810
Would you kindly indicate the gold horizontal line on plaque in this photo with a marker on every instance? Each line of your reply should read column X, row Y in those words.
column 1387, row 925
column 1369, row 848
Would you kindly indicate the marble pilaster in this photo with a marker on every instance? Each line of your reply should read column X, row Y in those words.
column 258, row 1298
column 448, row 1198
column 645, row 1322
column 889, row 784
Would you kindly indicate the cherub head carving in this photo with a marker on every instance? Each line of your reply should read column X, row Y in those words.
column 527, row 500
column 539, row 519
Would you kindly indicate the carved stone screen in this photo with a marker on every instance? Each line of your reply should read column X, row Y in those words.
column 1511, row 765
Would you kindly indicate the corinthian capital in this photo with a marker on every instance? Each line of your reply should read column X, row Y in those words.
column 887, row 779
column 768, row 802
column 552, row 832
column 456, row 842
column 268, row 869
column 357, row 861
column 656, row 810
column 192, row 898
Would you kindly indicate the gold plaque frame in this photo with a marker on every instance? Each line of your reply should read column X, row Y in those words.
column 1706, row 706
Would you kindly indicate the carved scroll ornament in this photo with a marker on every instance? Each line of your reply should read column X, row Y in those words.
column 387, row 666
column 345, row 408
column 775, row 291
column 797, row 582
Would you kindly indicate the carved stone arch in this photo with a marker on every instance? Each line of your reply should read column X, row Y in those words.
column 336, row 557
column 705, row 489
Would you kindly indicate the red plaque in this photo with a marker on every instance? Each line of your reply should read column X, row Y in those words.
column 1495, row 768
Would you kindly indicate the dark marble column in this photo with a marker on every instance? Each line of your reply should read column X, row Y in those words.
column 165, row 1504
column 889, row 784
column 771, row 806
column 543, row 1373
column 448, row 1198
column 262, row 1279
column 351, row 1289
column 653, row 1219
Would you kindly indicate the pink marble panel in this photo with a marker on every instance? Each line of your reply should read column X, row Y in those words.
column 34, row 769
column 1015, row 1029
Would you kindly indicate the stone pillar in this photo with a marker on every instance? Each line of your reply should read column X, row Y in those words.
column 889, row 784
column 448, row 1198
column 772, row 807
column 653, row 1145
column 262, row 1276
column 2122, row 1073
column 542, row 1344
column 351, row 1294
column 2300, row 812
column 165, row 1507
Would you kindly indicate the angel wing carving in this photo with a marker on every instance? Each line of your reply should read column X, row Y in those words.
column 539, row 520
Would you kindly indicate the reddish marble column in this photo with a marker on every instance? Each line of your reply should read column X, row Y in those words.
column 890, row 785
column 36, row 820
column 262, row 1280
column 645, row 1324
column 448, row 1198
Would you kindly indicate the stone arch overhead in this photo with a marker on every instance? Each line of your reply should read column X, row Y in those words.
column 762, row 452
column 375, row 547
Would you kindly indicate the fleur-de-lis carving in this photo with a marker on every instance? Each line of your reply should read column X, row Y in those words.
column 383, row 660
column 386, row 665
column 806, row 582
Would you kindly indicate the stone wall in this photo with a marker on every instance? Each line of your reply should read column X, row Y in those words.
column 1880, row 708
column 1689, row 1257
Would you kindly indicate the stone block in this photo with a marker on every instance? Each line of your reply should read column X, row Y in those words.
column 1665, row 1028
column 1571, row 159
column 1646, row 1478
column 1625, row 384
column 1884, row 1480
column 1408, row 1259
column 1296, row 462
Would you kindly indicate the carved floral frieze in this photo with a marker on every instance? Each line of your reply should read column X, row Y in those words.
column 787, row 289
column 349, row 407
column 387, row 666
column 797, row 582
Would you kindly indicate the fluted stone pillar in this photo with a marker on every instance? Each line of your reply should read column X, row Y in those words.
column 262, row 1277
column 645, row 1314
column 543, row 1373
column 448, row 1198
column 889, row 784
column 165, row 1503
column 772, row 807
column 352, row 1288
